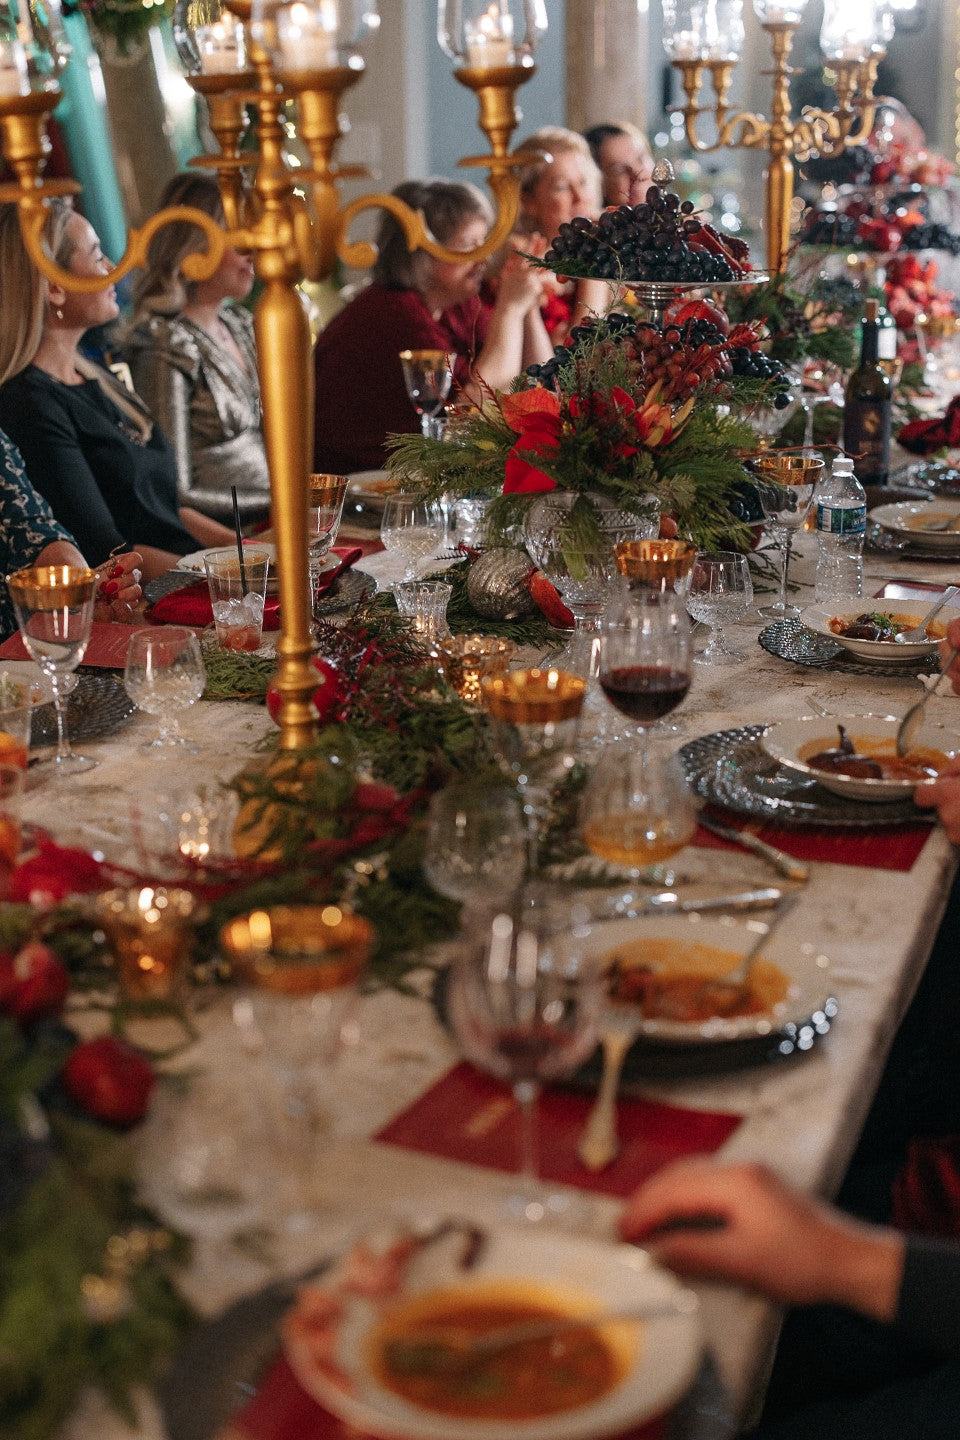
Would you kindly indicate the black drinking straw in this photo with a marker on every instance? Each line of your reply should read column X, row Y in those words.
column 236, row 526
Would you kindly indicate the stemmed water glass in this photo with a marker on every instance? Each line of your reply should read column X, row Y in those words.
column 721, row 593
column 325, row 509
column 428, row 375
column 413, row 528
column 786, row 484
column 525, row 1007
column 54, row 609
column 165, row 673
column 476, row 846
column 822, row 385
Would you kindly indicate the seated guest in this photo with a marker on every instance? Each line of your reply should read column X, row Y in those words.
column 554, row 189
column 624, row 160
column 193, row 359
column 90, row 447
column 419, row 303
column 944, row 792
column 29, row 535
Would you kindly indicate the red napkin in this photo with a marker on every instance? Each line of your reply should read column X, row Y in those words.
column 190, row 605
column 894, row 847
column 926, row 1192
column 281, row 1410
column 467, row 1116
column 923, row 437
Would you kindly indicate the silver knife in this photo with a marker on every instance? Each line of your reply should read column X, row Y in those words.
column 783, row 864
column 668, row 901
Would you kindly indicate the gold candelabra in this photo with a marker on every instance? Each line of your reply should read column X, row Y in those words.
column 293, row 223
column 785, row 137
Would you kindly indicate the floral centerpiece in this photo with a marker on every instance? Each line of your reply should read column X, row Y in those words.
column 648, row 419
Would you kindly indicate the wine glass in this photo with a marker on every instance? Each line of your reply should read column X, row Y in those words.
column 165, row 672
column 786, row 485
column 721, row 593
column 324, row 511
column 413, row 528
column 646, row 655
column 476, row 846
column 822, row 385
column 769, row 418
column 525, row 1006
column 637, row 810
column 534, row 717
column 54, row 609
column 297, row 969
column 428, row 375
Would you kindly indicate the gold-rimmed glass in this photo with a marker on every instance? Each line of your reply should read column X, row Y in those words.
column 786, row 484
column 325, row 499
column 656, row 564
column 534, row 719
column 468, row 660
column 54, row 609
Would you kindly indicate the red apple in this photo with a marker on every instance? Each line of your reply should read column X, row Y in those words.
column 110, row 1080
column 33, row 982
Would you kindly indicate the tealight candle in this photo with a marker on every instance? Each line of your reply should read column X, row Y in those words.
column 14, row 79
column 221, row 46
column 150, row 933
column 490, row 39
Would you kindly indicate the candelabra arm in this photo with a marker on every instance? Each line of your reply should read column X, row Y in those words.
column 199, row 266
column 743, row 130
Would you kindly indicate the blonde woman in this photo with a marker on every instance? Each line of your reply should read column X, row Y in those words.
column 90, row 447
column 553, row 190
column 193, row 359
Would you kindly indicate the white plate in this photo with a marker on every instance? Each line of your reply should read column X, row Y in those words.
column 788, row 740
column 584, row 1274
column 194, row 561
column 818, row 617
column 807, row 970
column 372, row 484
column 909, row 518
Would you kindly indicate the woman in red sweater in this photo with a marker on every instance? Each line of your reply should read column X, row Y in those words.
column 418, row 303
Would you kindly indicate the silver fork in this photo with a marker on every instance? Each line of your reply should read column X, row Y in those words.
column 908, row 725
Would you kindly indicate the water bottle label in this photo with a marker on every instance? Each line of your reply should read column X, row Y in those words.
column 841, row 520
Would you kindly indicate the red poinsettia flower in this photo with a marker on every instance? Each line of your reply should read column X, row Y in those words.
column 534, row 417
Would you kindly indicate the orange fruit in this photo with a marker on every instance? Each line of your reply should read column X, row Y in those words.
column 12, row 750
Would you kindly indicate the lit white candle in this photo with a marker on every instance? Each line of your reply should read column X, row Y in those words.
column 490, row 39
column 306, row 42
column 221, row 46
column 14, row 79
column 686, row 46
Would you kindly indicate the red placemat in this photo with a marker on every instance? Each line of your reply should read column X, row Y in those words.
column 891, row 847
column 107, row 648
column 282, row 1410
column 467, row 1116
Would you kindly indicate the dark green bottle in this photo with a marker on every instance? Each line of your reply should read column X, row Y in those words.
column 868, row 407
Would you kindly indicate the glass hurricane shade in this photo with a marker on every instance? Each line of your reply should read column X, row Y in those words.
column 33, row 46
column 703, row 29
column 851, row 32
column 304, row 35
column 486, row 34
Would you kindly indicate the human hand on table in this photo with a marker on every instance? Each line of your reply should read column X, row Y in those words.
column 118, row 593
column 766, row 1236
column 950, row 642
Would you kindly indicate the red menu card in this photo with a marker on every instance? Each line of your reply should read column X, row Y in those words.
column 467, row 1116
column 107, row 649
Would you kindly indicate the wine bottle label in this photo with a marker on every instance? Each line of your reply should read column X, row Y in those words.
column 887, row 343
column 866, row 435
column 841, row 519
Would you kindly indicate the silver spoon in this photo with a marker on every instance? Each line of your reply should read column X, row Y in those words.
column 919, row 631
column 908, row 725
column 736, row 983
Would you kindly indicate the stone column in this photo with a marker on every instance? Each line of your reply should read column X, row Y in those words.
column 606, row 62
column 139, row 132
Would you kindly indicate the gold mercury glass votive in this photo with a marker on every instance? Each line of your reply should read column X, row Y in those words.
column 150, row 931
column 51, row 587
column 298, row 949
column 658, row 563
column 468, row 660
column 534, row 697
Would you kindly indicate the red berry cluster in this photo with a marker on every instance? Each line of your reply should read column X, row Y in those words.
column 681, row 358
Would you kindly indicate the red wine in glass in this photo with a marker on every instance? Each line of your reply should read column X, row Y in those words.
column 645, row 693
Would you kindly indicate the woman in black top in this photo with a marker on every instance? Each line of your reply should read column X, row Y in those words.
column 90, row 446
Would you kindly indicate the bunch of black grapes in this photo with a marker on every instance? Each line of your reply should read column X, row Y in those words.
column 639, row 242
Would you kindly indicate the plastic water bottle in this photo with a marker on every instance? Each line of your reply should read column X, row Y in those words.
column 841, row 526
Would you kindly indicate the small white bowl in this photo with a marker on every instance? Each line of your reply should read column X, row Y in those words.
column 847, row 608
column 791, row 741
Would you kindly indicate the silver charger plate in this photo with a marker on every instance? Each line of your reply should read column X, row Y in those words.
column 791, row 640
column 732, row 770
column 97, row 706
column 879, row 541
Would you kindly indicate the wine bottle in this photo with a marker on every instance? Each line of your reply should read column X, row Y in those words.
column 868, row 406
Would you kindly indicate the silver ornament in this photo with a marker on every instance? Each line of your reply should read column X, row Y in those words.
column 497, row 584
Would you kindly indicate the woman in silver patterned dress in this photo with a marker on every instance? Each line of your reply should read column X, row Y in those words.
column 193, row 359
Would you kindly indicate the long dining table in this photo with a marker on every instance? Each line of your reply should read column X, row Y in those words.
column 802, row 1116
